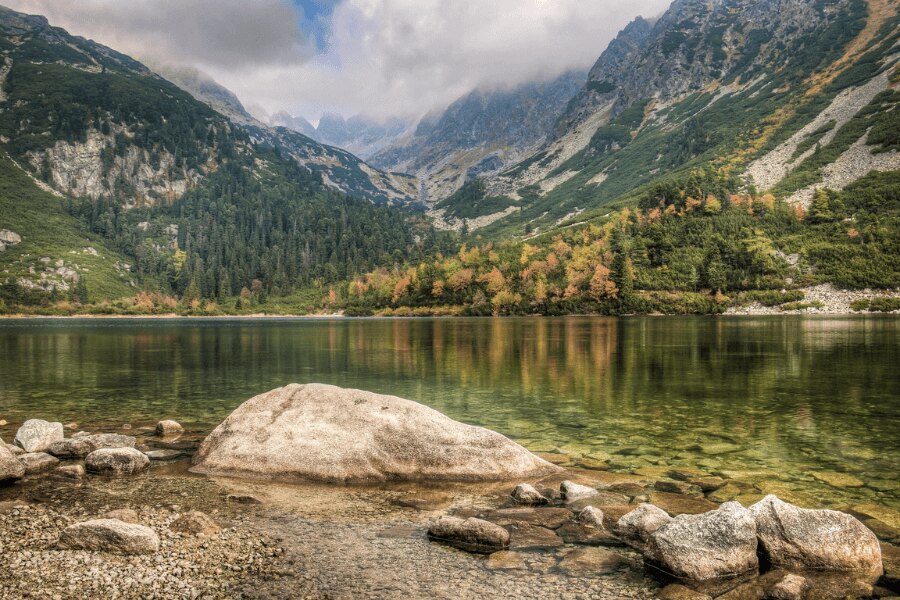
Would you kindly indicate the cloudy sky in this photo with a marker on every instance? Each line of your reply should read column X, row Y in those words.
column 381, row 58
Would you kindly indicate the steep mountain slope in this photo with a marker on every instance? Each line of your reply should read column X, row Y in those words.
column 362, row 136
column 96, row 123
column 480, row 133
column 298, row 124
column 794, row 93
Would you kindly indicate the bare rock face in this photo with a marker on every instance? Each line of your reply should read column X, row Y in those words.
column 116, row 461
column 327, row 433
column 720, row 543
column 36, row 435
column 825, row 540
column 109, row 535
column 470, row 534
column 11, row 468
column 637, row 526
column 525, row 493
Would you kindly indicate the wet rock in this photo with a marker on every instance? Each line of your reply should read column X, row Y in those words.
column 169, row 428
column 676, row 591
column 637, row 526
column 110, row 440
column 163, row 454
column 678, row 487
column 526, row 493
column 116, row 461
column 126, row 515
column 109, row 535
column 571, row 491
column 828, row 540
column 505, row 560
column 36, row 435
column 601, row 498
column 835, row 479
column 716, row 544
column 471, row 534
column 591, row 562
column 70, row 471
column 791, row 587
column 195, row 523
column 11, row 468
column 629, row 489
column 532, row 537
column 328, row 433
column 549, row 517
column 591, row 516
column 71, row 448
column 890, row 558
column 38, row 462
column 679, row 504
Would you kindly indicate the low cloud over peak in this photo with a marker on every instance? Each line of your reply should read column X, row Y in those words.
column 383, row 58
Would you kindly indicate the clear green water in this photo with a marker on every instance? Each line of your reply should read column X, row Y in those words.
column 783, row 397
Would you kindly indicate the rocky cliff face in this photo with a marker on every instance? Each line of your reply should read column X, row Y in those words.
column 480, row 134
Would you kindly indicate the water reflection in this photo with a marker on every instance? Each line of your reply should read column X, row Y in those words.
column 786, row 395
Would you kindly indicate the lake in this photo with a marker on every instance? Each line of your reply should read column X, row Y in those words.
column 793, row 404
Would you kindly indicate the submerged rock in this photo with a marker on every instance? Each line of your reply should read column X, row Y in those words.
column 505, row 560
column 637, row 526
column 826, row 540
column 38, row 462
column 11, row 468
column 533, row 537
column 526, row 493
column 169, row 428
column 470, row 534
column 79, row 446
column 116, row 461
column 591, row 562
column 70, row 471
column 36, row 435
column 327, row 433
column 717, row 544
column 109, row 535
column 550, row 517
column 572, row 491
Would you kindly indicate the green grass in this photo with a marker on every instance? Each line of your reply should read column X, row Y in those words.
column 47, row 230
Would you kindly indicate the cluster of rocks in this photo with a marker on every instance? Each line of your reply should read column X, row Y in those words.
column 40, row 447
column 772, row 549
column 822, row 299
column 9, row 238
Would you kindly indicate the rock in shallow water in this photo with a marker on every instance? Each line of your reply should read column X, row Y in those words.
column 827, row 540
column 195, row 523
column 169, row 428
column 11, row 468
column 109, row 535
column 470, row 534
column 327, row 433
column 38, row 462
column 572, row 491
column 716, row 544
column 116, row 461
column 526, row 493
column 36, row 435
column 637, row 526
column 81, row 446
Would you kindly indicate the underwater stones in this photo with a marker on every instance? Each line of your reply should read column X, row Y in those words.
column 717, row 448
column 716, row 544
column 505, row 560
column 676, row 591
column 526, row 493
column 827, row 540
column 79, row 446
column 327, row 433
column 532, row 537
column 637, row 526
column 835, row 479
column 470, row 534
column 592, row 561
column 679, row 504
column 571, row 491
column 36, row 435
column 11, row 468
column 549, row 517
column 109, row 535
column 70, row 471
column 678, row 487
column 169, row 428
column 116, row 461
column 885, row 514
column 195, row 523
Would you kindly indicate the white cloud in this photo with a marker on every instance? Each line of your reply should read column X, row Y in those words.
column 385, row 58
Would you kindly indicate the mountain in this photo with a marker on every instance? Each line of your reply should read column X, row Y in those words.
column 116, row 176
column 298, row 124
column 789, row 94
column 479, row 133
column 359, row 135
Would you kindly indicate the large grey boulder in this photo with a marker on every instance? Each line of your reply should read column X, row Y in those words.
column 36, row 435
column 470, row 534
column 327, row 433
column 826, row 540
column 11, row 468
column 116, row 461
column 109, row 535
column 636, row 527
column 717, row 544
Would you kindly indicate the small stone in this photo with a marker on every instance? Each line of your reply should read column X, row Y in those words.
column 505, row 560
column 163, row 454
column 70, row 471
column 126, row 515
column 116, row 461
column 109, row 535
column 637, row 526
column 470, row 534
column 789, row 588
column 526, row 493
column 36, row 435
column 572, row 491
column 195, row 523
column 38, row 462
column 591, row 516
column 169, row 428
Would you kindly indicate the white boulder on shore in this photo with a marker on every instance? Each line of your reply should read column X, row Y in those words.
column 327, row 433
column 36, row 435
column 109, row 535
